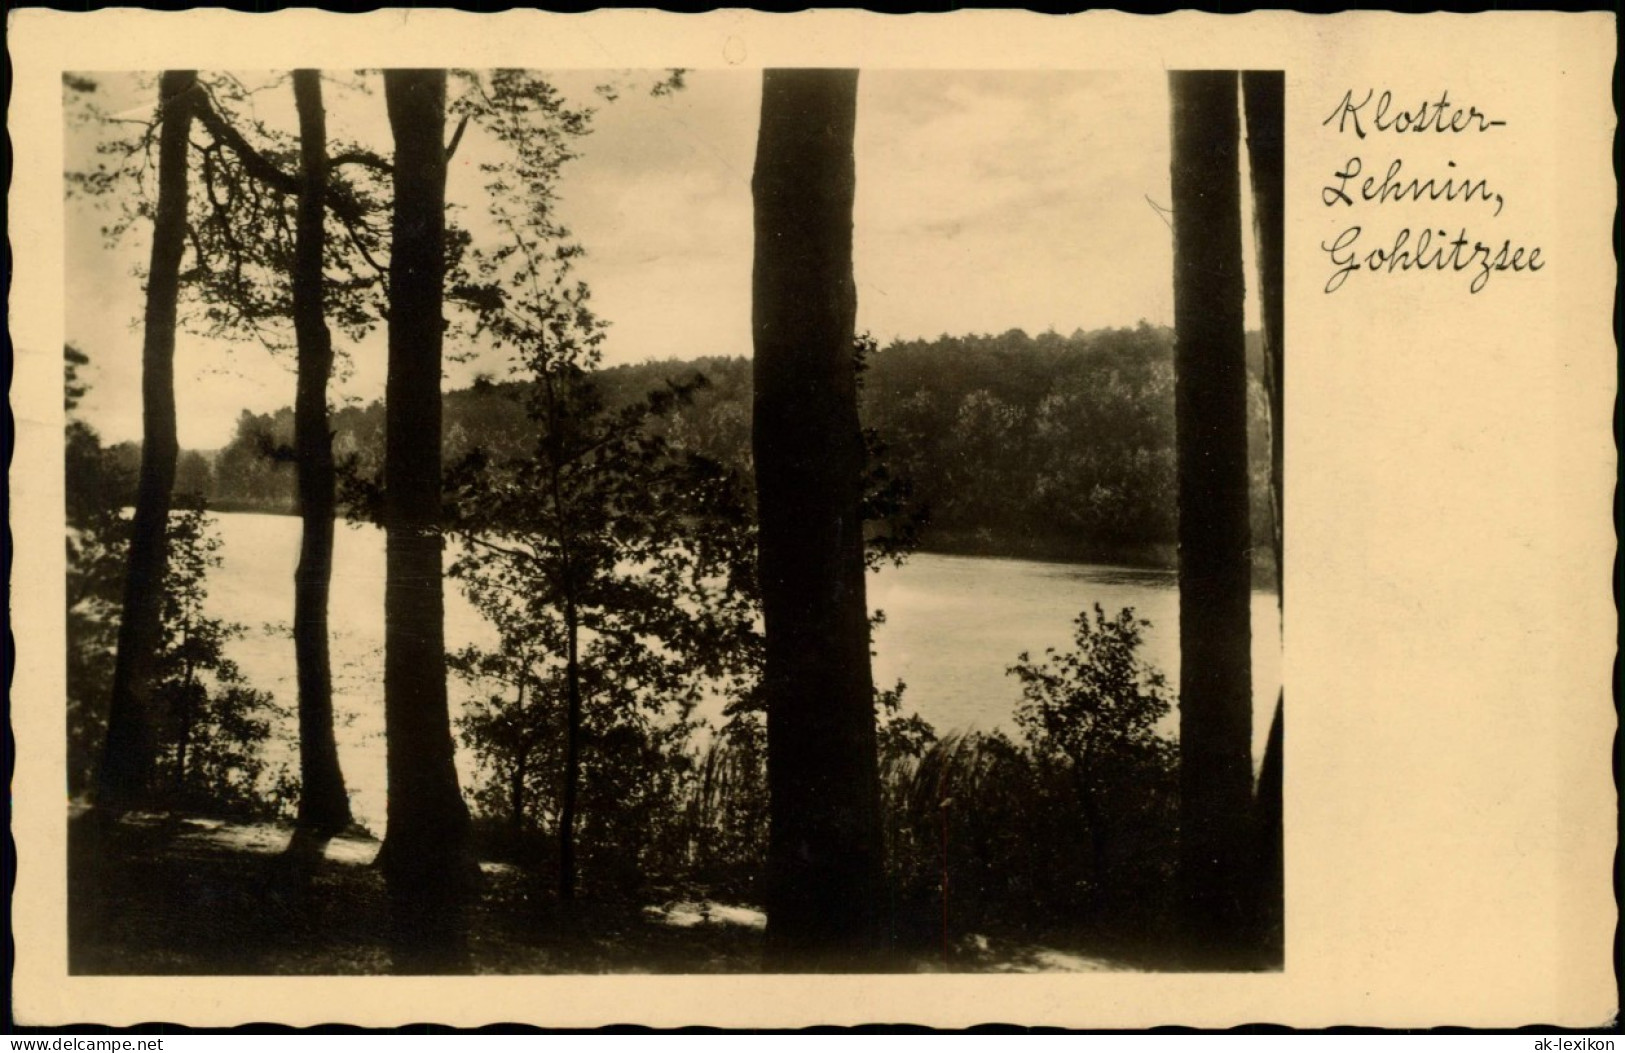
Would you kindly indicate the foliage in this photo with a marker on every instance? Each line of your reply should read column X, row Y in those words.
column 241, row 217
column 97, row 540
column 616, row 570
column 1090, row 719
column 725, row 811
column 651, row 547
column 1050, row 446
column 255, row 471
column 724, row 795
column 1071, row 827
column 212, row 726
column 606, row 544
column 1097, row 706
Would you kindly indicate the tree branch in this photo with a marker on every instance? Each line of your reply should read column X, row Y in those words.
column 364, row 158
column 257, row 164
column 266, row 171
column 456, row 137
column 355, row 239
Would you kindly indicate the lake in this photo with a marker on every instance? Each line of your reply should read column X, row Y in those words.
column 954, row 625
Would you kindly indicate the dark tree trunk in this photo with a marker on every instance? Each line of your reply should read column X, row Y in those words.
column 184, row 739
column 1264, row 95
column 126, row 774
column 324, row 807
column 516, row 793
column 1094, row 816
column 572, row 751
column 1217, row 870
column 425, row 857
column 825, row 842
column 572, row 635
column 1271, row 857
column 521, row 767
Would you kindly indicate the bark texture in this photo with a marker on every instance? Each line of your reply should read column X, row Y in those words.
column 324, row 806
column 825, row 846
column 125, row 778
column 1264, row 100
column 1217, row 850
column 425, row 853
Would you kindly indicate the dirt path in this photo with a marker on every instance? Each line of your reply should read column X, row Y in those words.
column 167, row 895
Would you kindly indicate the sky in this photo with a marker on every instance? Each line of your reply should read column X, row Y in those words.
column 986, row 201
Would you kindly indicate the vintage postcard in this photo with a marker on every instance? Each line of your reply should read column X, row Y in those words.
column 774, row 520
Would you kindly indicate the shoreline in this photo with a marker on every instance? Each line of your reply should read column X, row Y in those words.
column 1135, row 555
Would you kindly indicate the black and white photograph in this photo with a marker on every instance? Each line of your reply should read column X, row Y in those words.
column 796, row 520
column 779, row 521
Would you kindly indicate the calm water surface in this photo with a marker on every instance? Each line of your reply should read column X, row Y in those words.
column 954, row 625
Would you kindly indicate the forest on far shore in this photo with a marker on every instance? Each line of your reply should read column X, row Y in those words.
column 1048, row 446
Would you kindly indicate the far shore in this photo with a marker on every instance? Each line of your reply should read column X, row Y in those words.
column 1138, row 555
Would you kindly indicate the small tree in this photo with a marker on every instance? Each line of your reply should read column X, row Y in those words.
column 213, row 726
column 97, row 551
column 209, row 726
column 1093, row 712
column 616, row 573
column 611, row 564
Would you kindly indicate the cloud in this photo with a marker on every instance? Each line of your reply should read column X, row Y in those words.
column 1011, row 199
column 986, row 200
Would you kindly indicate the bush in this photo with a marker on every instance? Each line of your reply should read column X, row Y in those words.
column 212, row 727
column 1070, row 829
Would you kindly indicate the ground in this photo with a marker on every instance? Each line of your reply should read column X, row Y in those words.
column 176, row 895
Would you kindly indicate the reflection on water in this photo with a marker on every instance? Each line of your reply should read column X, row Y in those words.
column 954, row 625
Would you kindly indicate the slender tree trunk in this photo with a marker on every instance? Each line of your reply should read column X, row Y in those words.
column 1210, row 396
column 516, row 793
column 572, row 751
column 572, row 657
column 125, row 777
column 184, row 739
column 521, row 767
column 324, row 807
column 1264, row 95
column 825, row 840
column 425, row 857
column 1097, row 826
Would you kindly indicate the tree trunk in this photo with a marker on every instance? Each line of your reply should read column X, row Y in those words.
column 1264, row 94
column 1092, row 814
column 184, row 737
column 572, row 657
column 425, row 857
column 825, row 840
column 572, row 752
column 324, row 807
column 516, row 793
column 1210, row 398
column 521, row 767
column 125, row 777
column 1271, row 857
